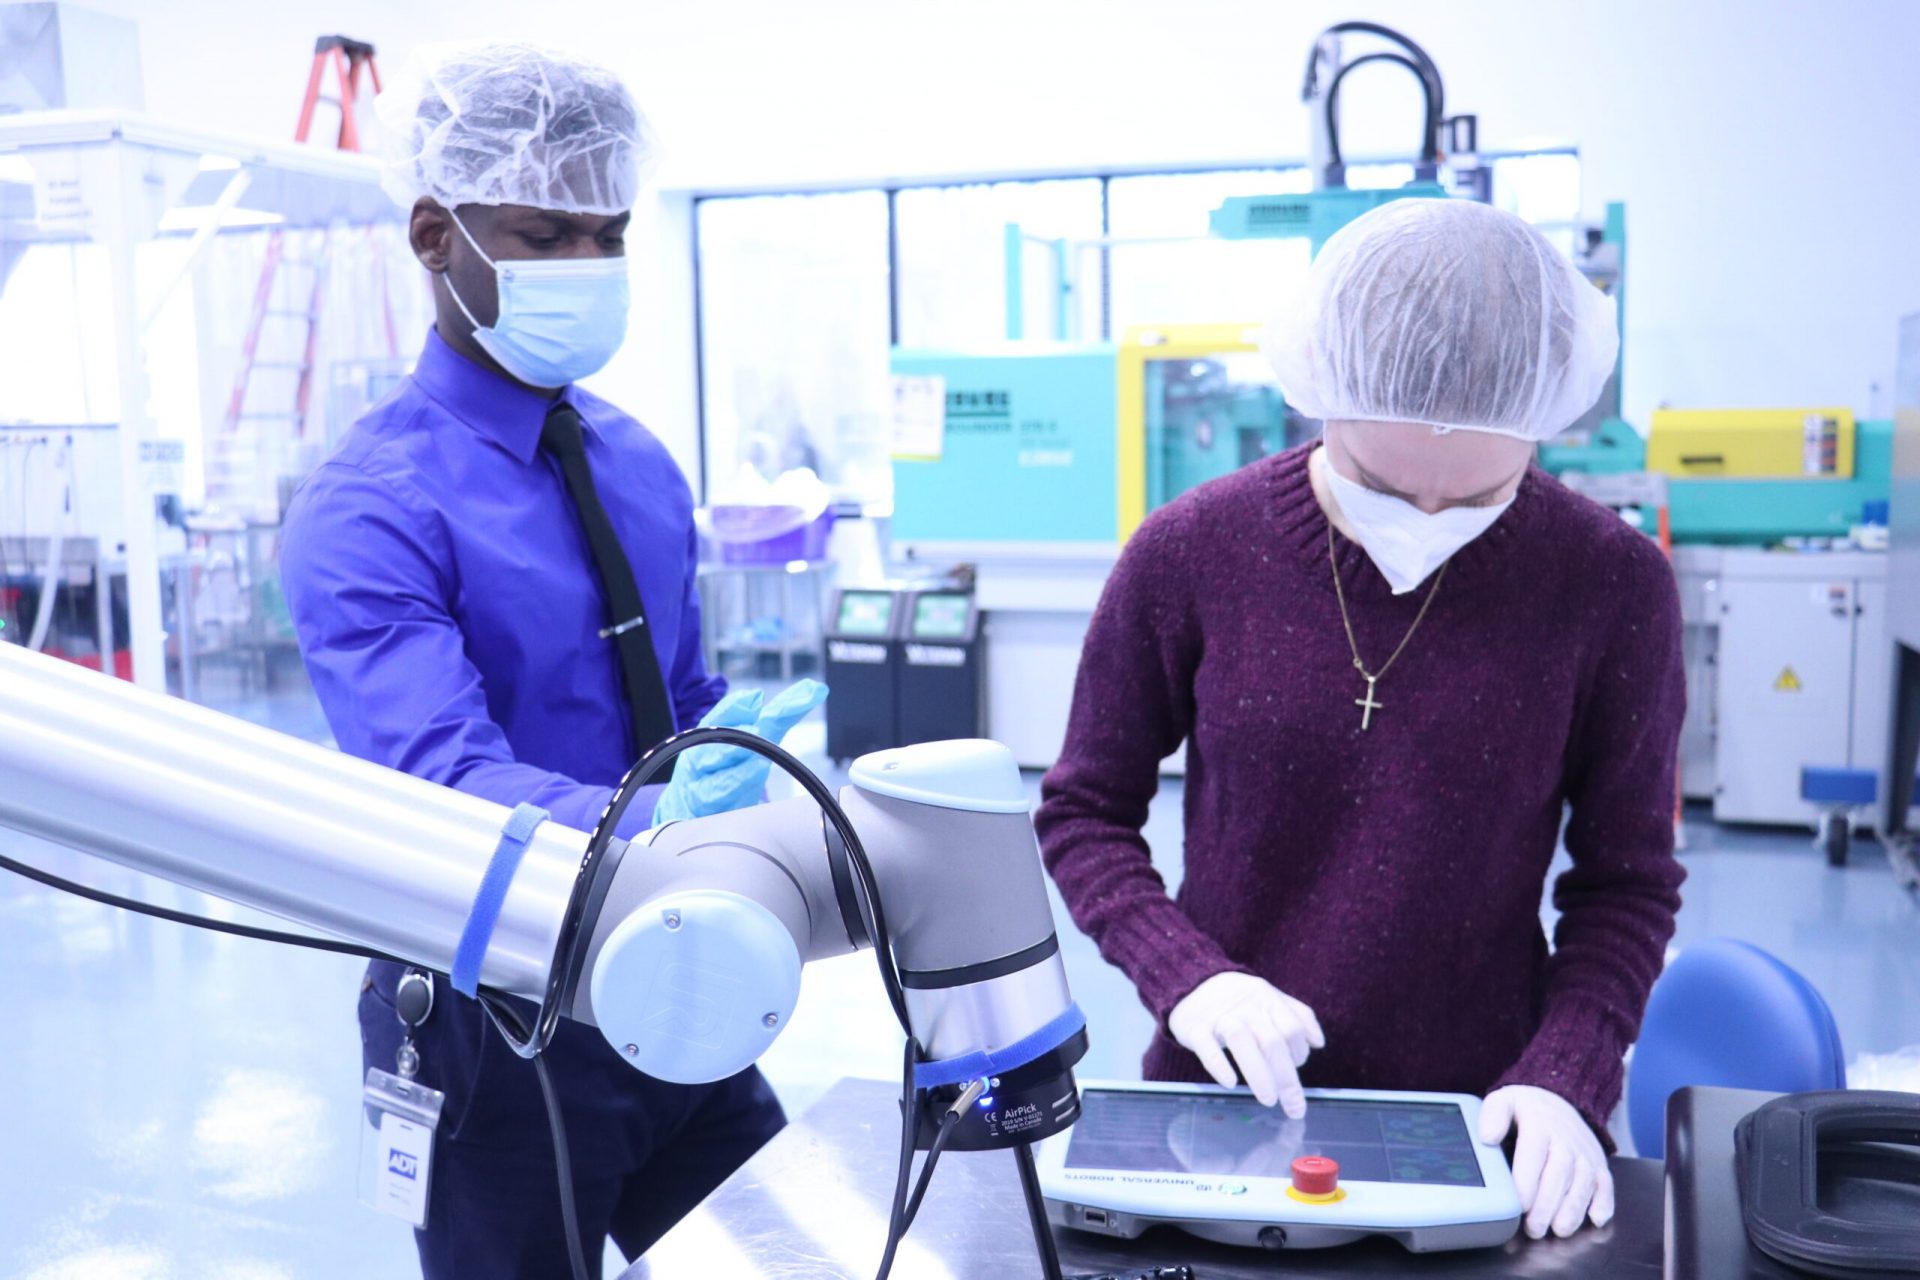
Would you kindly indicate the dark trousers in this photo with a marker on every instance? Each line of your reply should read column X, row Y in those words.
column 645, row 1152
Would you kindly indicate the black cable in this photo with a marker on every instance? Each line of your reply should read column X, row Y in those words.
column 1429, row 72
column 901, row 1217
column 948, row 1123
column 563, row 1162
column 502, row 1012
column 896, row 1214
column 198, row 922
column 1416, row 61
column 1429, row 130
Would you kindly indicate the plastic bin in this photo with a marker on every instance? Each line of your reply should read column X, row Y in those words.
column 769, row 535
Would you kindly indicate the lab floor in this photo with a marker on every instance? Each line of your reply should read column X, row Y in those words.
column 179, row 1105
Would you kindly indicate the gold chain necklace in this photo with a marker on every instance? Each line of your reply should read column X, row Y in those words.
column 1367, row 704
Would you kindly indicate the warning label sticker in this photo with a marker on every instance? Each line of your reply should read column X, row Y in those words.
column 1787, row 682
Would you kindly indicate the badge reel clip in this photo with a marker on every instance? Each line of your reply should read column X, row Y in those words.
column 402, row 1116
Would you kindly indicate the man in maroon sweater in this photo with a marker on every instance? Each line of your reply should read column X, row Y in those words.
column 1398, row 659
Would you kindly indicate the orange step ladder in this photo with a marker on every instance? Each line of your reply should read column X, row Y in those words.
column 352, row 64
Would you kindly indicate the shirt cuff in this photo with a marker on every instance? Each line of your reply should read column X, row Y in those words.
column 1166, row 955
column 1578, row 1054
column 581, row 807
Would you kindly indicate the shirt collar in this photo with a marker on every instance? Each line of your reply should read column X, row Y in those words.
column 494, row 405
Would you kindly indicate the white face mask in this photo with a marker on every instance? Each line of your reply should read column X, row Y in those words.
column 560, row 319
column 1405, row 543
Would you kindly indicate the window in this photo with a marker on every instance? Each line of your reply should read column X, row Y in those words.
column 1544, row 189
column 952, row 253
column 1192, row 279
column 795, row 317
column 798, row 306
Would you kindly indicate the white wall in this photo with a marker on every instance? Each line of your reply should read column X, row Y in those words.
column 1768, row 151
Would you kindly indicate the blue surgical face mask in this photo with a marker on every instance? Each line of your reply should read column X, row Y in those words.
column 560, row 319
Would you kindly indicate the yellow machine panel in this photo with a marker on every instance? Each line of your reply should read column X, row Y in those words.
column 1195, row 400
column 1752, row 442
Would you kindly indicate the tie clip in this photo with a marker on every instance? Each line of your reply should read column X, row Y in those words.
column 608, row 633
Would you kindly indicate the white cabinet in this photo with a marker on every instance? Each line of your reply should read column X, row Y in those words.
column 1801, row 677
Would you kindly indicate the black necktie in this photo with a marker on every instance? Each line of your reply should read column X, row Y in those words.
column 627, row 620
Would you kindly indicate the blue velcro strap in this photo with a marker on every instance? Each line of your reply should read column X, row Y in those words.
column 474, row 938
column 993, row 1062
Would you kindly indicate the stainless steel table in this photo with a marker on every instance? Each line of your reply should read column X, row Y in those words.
column 813, row 1204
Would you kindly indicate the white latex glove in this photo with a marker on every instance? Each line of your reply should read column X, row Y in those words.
column 1267, row 1031
column 1559, row 1166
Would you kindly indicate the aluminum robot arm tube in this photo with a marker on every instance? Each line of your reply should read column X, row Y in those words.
column 694, row 954
column 300, row 831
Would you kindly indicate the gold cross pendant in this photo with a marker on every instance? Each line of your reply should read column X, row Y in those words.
column 1368, row 706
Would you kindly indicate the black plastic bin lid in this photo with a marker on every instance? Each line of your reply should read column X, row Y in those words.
column 1830, row 1182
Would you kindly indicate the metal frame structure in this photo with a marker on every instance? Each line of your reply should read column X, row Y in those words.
column 227, row 184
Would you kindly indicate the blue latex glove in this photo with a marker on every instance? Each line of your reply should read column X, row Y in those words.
column 717, row 778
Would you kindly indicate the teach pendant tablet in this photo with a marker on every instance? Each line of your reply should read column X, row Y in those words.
column 1216, row 1163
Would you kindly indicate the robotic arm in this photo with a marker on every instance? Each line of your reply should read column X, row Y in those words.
column 693, row 934
column 695, row 958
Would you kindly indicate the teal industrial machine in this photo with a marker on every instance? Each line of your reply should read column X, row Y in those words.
column 1761, row 510
column 1312, row 215
column 1065, row 443
column 1204, row 419
column 1028, row 452
column 1741, row 506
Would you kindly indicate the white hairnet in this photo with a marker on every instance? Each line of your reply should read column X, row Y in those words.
column 512, row 124
column 1446, row 312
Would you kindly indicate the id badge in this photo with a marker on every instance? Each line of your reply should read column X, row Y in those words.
column 396, row 1145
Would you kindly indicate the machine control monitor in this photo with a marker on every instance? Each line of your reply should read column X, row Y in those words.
column 941, row 616
column 865, row 613
column 1215, row 1162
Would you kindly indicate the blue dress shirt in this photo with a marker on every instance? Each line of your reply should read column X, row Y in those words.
column 447, row 603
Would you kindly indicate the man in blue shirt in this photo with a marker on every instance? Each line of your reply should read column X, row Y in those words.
column 493, row 584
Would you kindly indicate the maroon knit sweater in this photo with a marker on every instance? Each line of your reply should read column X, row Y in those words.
column 1391, row 879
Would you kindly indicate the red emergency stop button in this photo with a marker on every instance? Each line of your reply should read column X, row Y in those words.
column 1316, row 1180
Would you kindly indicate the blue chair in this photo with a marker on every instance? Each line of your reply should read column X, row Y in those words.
column 1726, row 1013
